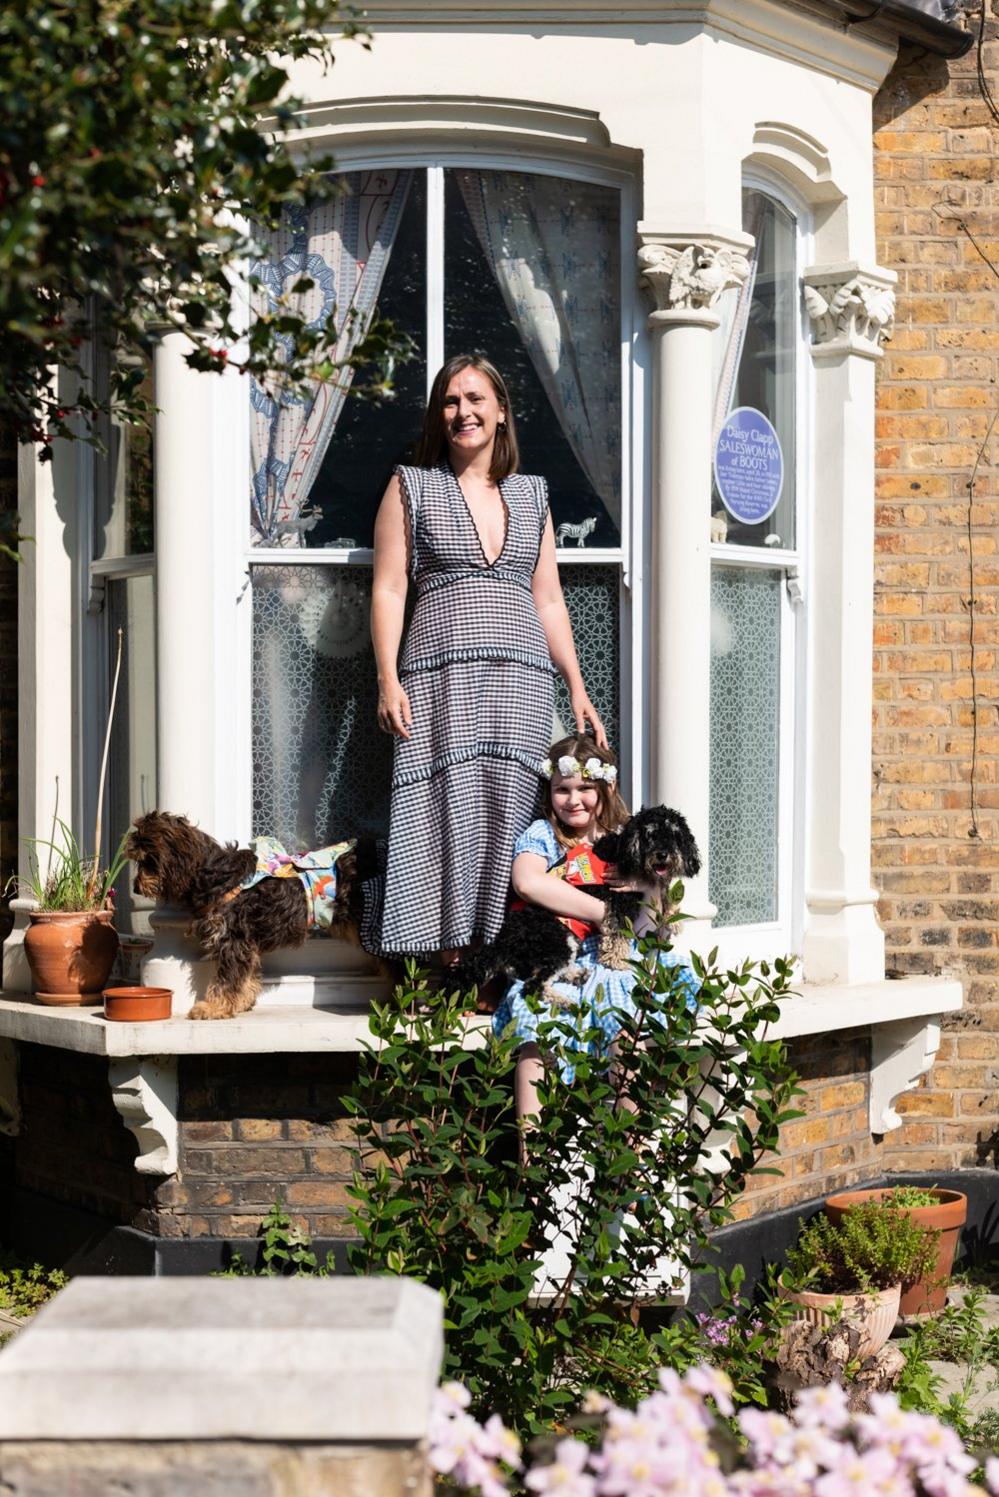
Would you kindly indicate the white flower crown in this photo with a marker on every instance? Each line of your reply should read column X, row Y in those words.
column 593, row 769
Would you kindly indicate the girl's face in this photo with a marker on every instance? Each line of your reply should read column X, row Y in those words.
column 575, row 801
column 472, row 412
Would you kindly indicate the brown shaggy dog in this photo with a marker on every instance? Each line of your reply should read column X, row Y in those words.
column 181, row 865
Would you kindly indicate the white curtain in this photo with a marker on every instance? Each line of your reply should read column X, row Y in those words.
column 735, row 320
column 343, row 247
column 554, row 247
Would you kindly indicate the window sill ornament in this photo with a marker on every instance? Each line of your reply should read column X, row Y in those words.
column 851, row 309
column 578, row 533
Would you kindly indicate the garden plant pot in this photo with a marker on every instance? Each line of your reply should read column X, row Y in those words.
column 874, row 1314
column 137, row 1005
column 70, row 954
column 928, row 1295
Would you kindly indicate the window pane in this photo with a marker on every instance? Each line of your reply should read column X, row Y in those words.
column 124, row 486
column 592, row 598
column 745, row 708
column 367, row 440
column 759, row 353
column 321, row 766
column 532, row 280
column 131, row 786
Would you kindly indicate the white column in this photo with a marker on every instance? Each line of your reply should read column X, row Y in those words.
column 185, row 584
column 686, row 276
column 185, row 632
column 851, row 309
column 49, row 508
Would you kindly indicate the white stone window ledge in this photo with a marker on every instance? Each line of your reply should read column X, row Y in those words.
column 904, row 1019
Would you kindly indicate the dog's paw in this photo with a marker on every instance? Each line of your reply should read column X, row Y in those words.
column 205, row 1008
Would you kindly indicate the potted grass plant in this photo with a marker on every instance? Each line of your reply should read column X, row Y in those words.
column 857, row 1267
column 942, row 1211
column 71, row 942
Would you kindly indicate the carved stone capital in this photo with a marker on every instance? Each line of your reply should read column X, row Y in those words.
column 144, row 1091
column 851, row 308
column 686, row 275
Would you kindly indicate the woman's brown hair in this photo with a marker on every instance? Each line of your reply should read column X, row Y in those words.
column 431, row 449
column 612, row 812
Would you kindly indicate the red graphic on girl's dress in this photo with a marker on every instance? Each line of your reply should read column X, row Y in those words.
column 579, row 867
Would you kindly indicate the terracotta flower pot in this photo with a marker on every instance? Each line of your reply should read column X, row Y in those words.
column 928, row 1295
column 137, row 1005
column 874, row 1314
column 70, row 954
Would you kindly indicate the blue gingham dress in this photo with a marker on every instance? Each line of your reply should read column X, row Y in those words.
column 601, row 1004
column 480, row 681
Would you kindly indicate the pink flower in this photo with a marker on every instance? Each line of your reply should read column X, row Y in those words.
column 992, row 1473
column 822, row 1408
column 770, row 1435
column 709, row 1382
column 856, row 1473
column 566, row 1475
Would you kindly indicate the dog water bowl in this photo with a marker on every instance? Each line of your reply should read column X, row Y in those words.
column 133, row 1005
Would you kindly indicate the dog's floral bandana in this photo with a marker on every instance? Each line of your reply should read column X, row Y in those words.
column 317, row 871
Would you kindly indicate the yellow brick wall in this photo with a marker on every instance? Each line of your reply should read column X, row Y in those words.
column 936, row 150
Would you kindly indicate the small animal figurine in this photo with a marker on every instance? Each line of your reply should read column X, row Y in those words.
column 577, row 533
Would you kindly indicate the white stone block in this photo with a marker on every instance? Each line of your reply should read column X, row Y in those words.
column 342, row 1359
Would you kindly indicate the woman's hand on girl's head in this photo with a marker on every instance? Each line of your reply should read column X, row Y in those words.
column 394, row 712
column 587, row 715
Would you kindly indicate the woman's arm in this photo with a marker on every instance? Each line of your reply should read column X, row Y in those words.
column 554, row 616
column 532, row 881
column 388, row 607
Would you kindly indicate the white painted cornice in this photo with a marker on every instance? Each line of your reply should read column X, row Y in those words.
column 851, row 308
column 858, row 54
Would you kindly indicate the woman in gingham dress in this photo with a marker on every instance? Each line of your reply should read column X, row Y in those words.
column 470, row 700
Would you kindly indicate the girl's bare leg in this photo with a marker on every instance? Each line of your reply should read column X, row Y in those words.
column 527, row 1077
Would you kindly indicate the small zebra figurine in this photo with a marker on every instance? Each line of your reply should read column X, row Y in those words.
column 577, row 533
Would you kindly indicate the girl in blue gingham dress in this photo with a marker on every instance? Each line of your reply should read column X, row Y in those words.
column 551, row 867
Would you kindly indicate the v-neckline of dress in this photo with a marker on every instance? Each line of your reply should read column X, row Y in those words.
column 471, row 520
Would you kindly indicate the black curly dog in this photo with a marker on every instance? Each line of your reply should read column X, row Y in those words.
column 654, row 848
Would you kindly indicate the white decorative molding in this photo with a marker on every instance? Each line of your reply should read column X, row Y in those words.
column 145, row 1094
column 10, row 1102
column 686, row 276
column 851, row 309
column 901, row 1054
column 796, row 155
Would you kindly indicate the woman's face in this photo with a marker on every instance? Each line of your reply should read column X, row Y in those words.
column 574, row 801
column 472, row 412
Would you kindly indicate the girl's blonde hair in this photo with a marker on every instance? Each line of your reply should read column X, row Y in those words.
column 612, row 812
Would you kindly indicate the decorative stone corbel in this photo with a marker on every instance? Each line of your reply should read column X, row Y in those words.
column 10, row 1102
column 687, row 276
column 851, row 308
column 900, row 1054
column 144, row 1090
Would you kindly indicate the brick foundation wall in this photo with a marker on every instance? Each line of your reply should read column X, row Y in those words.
column 936, row 863
column 831, row 1146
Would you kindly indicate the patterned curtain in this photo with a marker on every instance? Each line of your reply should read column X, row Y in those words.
column 553, row 246
column 343, row 247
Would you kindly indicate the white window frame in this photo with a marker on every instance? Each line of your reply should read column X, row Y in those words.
column 235, row 782
column 784, row 935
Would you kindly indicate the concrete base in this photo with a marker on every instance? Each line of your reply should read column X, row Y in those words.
column 347, row 1361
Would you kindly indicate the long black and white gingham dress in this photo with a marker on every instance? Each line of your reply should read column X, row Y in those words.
column 480, row 681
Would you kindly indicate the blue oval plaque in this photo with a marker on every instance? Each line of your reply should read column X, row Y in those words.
column 749, row 465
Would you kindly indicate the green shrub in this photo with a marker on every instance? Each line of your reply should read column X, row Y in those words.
column 913, row 1195
column 440, row 1195
column 874, row 1246
column 24, row 1287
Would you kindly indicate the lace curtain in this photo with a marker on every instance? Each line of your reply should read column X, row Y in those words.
column 553, row 246
column 343, row 247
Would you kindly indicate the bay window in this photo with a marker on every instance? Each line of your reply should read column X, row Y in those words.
column 755, row 582
column 522, row 266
